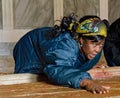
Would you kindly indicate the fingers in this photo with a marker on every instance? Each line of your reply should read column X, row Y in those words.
column 94, row 87
column 101, row 66
column 104, row 66
column 100, row 90
column 107, row 88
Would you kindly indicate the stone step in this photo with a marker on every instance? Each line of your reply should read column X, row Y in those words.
column 97, row 74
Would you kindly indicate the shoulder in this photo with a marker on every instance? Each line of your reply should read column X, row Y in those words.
column 67, row 42
column 43, row 29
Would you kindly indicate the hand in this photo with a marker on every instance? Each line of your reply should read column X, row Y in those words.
column 93, row 87
column 101, row 66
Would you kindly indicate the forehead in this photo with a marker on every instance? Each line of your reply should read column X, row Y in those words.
column 93, row 41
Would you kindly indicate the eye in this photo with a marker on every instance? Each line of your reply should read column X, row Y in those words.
column 98, row 44
column 94, row 44
column 101, row 45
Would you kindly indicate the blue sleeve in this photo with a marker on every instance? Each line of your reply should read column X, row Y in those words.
column 62, row 69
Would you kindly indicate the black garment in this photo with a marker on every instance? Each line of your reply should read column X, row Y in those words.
column 112, row 52
column 112, row 44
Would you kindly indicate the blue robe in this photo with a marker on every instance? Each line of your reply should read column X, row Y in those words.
column 57, row 57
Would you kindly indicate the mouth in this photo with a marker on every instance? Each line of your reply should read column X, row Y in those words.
column 92, row 56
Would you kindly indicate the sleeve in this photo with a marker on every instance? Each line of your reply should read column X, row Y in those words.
column 61, row 70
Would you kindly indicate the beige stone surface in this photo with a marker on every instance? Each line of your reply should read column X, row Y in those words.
column 45, row 89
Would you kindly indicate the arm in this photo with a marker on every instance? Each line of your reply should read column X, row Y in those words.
column 74, row 78
column 66, row 76
column 62, row 69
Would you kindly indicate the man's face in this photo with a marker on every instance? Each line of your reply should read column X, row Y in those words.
column 91, row 48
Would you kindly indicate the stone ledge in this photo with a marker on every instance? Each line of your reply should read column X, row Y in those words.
column 97, row 74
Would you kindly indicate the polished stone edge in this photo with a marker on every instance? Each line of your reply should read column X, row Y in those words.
column 8, row 79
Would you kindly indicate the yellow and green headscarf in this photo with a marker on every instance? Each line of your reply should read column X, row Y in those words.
column 92, row 27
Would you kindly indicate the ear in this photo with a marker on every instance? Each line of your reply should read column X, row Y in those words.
column 81, row 40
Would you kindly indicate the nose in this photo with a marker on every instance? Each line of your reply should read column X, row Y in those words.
column 97, row 49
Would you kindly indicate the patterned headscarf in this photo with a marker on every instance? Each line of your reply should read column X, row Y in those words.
column 92, row 27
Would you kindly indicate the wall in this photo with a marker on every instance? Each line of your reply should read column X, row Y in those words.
column 114, row 13
column 18, row 16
